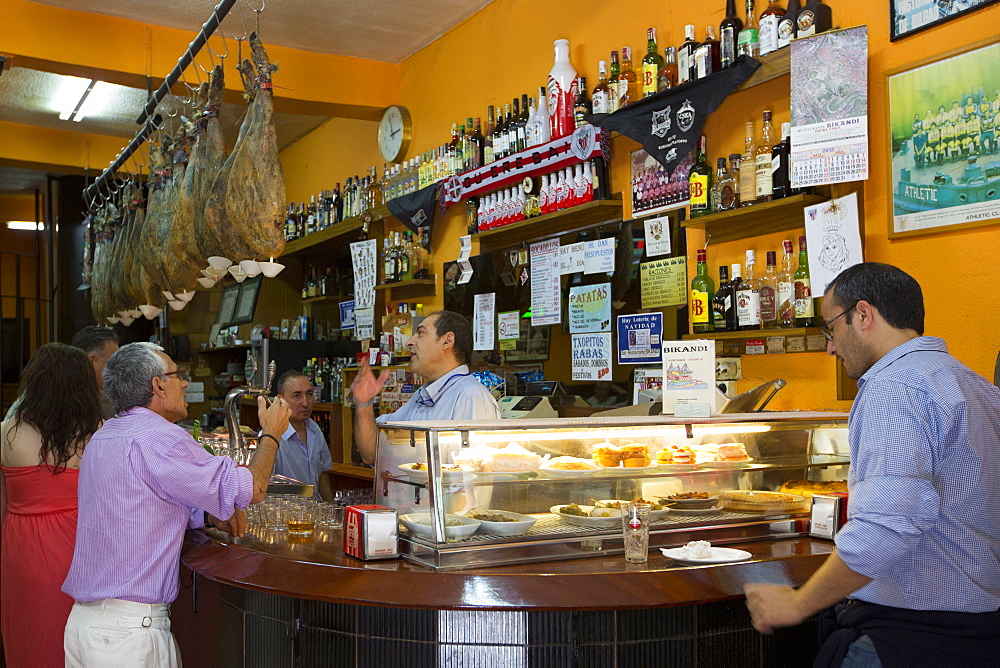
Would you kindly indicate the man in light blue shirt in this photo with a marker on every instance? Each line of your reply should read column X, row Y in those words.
column 303, row 453
column 919, row 558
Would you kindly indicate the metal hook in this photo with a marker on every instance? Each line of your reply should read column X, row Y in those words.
column 212, row 51
column 239, row 40
column 257, row 13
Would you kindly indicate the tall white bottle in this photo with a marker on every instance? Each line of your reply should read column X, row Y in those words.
column 542, row 129
column 563, row 83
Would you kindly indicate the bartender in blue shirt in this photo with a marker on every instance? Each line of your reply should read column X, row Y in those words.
column 440, row 349
column 302, row 453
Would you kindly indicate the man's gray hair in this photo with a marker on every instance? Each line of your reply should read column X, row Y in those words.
column 128, row 373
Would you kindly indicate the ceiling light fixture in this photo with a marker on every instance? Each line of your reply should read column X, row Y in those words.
column 24, row 225
column 70, row 95
column 94, row 100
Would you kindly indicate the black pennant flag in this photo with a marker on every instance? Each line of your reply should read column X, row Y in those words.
column 668, row 124
column 415, row 210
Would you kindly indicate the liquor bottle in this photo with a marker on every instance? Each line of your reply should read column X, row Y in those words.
column 562, row 86
column 786, row 287
column 403, row 270
column 813, row 19
column 707, row 58
column 530, row 128
column 543, row 132
column 685, row 56
column 748, row 169
column 804, row 309
column 729, row 31
column 600, row 94
column 652, row 63
column 613, row 74
column 781, row 185
column 748, row 42
column 767, row 291
column 732, row 299
column 516, row 133
column 769, row 20
column 522, row 124
column 478, row 145
column 582, row 105
column 387, row 265
column 500, row 134
column 748, row 298
column 422, row 270
column 488, row 141
column 702, row 294
column 720, row 303
column 628, row 83
column 668, row 73
column 725, row 190
column 787, row 26
column 763, row 160
column 700, row 182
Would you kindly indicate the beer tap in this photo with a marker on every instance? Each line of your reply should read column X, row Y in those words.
column 236, row 439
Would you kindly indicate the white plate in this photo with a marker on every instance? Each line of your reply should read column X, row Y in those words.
column 695, row 511
column 421, row 476
column 727, row 465
column 464, row 530
column 720, row 555
column 569, row 473
column 630, row 470
column 589, row 522
column 518, row 527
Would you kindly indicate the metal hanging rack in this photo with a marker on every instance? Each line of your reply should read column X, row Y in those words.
column 150, row 124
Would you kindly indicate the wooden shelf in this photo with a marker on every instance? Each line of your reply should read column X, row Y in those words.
column 551, row 225
column 753, row 221
column 353, row 470
column 417, row 287
column 773, row 65
column 325, row 298
column 224, row 349
column 734, row 343
column 338, row 234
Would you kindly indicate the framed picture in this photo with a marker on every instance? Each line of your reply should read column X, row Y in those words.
column 228, row 304
column 909, row 16
column 654, row 188
column 532, row 344
column 246, row 302
column 944, row 121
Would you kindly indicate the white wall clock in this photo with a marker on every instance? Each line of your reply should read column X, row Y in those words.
column 394, row 133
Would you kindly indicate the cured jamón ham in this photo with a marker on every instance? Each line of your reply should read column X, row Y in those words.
column 245, row 209
column 208, row 154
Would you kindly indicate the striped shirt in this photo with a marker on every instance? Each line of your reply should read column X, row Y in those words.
column 141, row 478
column 924, row 483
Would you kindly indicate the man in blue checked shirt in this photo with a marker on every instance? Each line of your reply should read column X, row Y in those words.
column 915, row 579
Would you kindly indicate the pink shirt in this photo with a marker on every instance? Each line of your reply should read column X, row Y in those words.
column 140, row 479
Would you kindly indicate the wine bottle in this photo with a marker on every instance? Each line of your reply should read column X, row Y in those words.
column 748, row 42
column 522, row 124
column 748, row 169
column 813, row 19
column 515, row 136
column 613, row 83
column 804, row 309
column 668, row 73
column 729, row 31
column 581, row 105
column 767, row 291
column 702, row 294
column 562, row 87
column 628, row 83
column 762, row 158
column 781, row 185
column 787, row 24
column 748, row 299
column 652, row 63
column 478, row 144
column 700, row 182
column 600, row 95
column 786, row 287
column 685, row 56
column 488, row 138
column 720, row 304
column 769, row 19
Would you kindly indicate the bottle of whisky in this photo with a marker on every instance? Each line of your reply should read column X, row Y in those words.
column 805, row 311
column 668, row 73
column 748, row 299
column 700, row 182
column 628, row 83
column 787, row 25
column 613, row 74
column 721, row 302
column 732, row 299
column 767, row 291
column 769, row 19
column 600, row 95
column 707, row 57
column 652, row 63
column 786, row 287
column 729, row 31
column 725, row 190
column 813, row 19
column 781, row 185
column 685, row 56
column 762, row 157
column 748, row 169
column 702, row 294
column 748, row 42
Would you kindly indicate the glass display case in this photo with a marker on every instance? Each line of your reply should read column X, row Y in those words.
column 481, row 493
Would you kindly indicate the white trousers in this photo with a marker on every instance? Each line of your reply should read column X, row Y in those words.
column 113, row 633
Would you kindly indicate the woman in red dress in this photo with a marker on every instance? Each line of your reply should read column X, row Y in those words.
column 40, row 448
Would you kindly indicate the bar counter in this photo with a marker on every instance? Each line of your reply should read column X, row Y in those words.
column 275, row 599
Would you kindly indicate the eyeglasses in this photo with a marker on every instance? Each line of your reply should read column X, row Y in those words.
column 180, row 373
column 825, row 329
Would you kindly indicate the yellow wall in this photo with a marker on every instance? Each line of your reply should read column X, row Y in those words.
column 340, row 148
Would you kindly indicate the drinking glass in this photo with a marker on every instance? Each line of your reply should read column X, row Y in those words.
column 300, row 520
column 635, row 530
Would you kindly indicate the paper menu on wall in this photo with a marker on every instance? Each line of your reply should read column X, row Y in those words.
column 688, row 374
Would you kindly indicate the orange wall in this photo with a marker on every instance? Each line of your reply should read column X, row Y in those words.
column 340, row 148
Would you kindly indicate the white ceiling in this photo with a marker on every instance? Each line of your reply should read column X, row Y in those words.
column 387, row 30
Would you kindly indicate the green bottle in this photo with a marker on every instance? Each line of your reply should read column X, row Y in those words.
column 700, row 182
column 702, row 294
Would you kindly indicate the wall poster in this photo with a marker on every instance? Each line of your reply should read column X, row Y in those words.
column 654, row 188
column 909, row 16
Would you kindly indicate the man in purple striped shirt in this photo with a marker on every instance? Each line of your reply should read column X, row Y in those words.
column 143, row 482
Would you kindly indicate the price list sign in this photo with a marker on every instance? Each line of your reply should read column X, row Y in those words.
column 664, row 282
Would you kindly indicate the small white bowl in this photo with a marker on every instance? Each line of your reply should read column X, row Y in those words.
column 250, row 267
column 207, row 282
column 167, row 294
column 185, row 296
column 135, row 313
column 518, row 527
column 238, row 273
column 127, row 321
column 219, row 263
column 150, row 311
column 212, row 272
column 177, row 304
column 113, row 319
column 124, row 314
column 465, row 528
column 271, row 269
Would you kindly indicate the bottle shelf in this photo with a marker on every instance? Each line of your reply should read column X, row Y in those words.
column 551, row 225
column 224, row 349
column 417, row 287
column 734, row 343
column 773, row 65
column 338, row 234
column 326, row 298
column 754, row 221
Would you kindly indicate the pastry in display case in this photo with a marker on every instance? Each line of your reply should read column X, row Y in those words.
column 479, row 493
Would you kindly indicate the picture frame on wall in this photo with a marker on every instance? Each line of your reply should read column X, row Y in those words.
column 228, row 304
column 532, row 344
column 944, row 124
column 910, row 16
column 246, row 302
